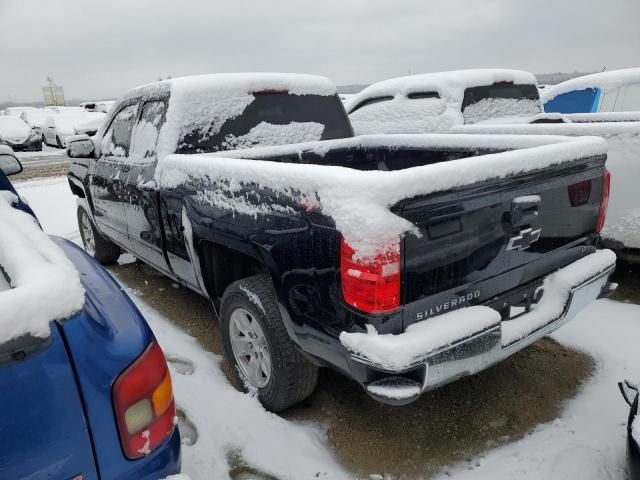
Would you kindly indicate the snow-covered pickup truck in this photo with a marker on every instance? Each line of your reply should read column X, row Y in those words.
column 507, row 102
column 402, row 261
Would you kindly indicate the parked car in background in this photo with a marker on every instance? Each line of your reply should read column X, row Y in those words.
column 632, row 397
column 395, row 259
column 101, row 106
column 505, row 102
column 616, row 92
column 18, row 135
column 67, row 109
column 436, row 102
column 86, row 391
column 16, row 111
column 35, row 118
column 56, row 128
column 91, row 126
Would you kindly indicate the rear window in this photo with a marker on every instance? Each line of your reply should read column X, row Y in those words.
column 500, row 100
column 273, row 119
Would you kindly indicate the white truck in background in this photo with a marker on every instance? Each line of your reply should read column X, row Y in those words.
column 507, row 102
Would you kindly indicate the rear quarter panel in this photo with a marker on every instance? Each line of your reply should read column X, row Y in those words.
column 103, row 341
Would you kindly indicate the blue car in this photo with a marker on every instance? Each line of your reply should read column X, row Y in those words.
column 94, row 399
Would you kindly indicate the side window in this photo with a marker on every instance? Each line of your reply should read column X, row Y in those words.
column 631, row 102
column 116, row 140
column 608, row 100
column 147, row 131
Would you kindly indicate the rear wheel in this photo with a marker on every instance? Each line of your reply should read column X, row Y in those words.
column 103, row 250
column 261, row 353
column 59, row 142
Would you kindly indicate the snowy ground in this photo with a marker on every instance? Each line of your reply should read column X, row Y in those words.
column 587, row 441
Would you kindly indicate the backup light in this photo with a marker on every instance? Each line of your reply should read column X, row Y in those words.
column 143, row 403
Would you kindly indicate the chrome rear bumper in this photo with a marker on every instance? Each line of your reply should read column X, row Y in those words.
column 578, row 284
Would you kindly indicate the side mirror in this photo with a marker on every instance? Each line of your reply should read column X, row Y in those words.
column 9, row 164
column 80, row 146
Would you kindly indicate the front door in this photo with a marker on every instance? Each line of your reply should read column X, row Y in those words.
column 107, row 173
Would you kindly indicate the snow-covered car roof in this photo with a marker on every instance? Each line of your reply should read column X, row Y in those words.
column 433, row 102
column 605, row 81
column 44, row 285
column 449, row 85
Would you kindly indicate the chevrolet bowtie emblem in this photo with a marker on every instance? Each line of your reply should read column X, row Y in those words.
column 524, row 239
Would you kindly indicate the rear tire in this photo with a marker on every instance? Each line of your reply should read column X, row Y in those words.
column 59, row 142
column 287, row 378
column 103, row 250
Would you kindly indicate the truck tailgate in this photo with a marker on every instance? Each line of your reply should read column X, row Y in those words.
column 482, row 241
column 44, row 430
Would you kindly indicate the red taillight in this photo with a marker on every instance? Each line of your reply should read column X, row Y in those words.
column 143, row 403
column 371, row 285
column 579, row 193
column 604, row 202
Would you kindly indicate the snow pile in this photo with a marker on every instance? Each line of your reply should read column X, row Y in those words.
column 203, row 103
column 359, row 201
column 46, row 286
column 398, row 352
column 406, row 115
column 497, row 108
column 605, row 81
column 557, row 288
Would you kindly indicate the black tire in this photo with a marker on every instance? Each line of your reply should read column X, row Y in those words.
column 293, row 378
column 44, row 140
column 103, row 250
column 59, row 142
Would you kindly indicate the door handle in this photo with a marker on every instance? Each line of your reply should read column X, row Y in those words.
column 524, row 210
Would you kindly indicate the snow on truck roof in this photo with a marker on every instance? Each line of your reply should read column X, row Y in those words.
column 205, row 102
column 450, row 85
column 605, row 81
column 44, row 284
column 245, row 83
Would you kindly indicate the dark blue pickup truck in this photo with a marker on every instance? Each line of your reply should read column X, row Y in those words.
column 94, row 398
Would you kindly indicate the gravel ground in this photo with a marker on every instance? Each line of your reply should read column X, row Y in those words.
column 451, row 424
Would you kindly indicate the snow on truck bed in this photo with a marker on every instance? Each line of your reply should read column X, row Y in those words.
column 359, row 201
column 45, row 284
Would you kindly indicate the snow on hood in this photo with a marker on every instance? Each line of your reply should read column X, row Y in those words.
column 45, row 284
column 605, row 81
column 428, row 115
column 14, row 129
column 359, row 201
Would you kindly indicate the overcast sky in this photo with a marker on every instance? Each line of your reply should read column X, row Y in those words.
column 99, row 49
